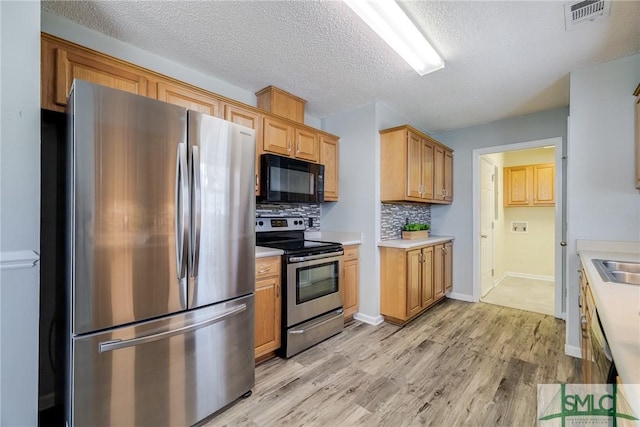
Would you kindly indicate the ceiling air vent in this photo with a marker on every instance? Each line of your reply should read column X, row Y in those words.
column 580, row 12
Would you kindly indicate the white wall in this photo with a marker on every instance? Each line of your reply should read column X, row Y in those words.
column 69, row 30
column 602, row 201
column 457, row 219
column 359, row 207
column 19, row 211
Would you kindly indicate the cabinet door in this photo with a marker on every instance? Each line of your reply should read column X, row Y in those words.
column 448, row 267
column 544, row 184
column 350, row 282
column 307, row 146
column 448, row 176
column 277, row 136
column 414, row 166
column 71, row 63
column 427, row 277
column 329, row 158
column 438, row 271
column 438, row 173
column 267, row 323
column 516, row 186
column 414, row 265
column 188, row 98
column 251, row 120
column 427, row 169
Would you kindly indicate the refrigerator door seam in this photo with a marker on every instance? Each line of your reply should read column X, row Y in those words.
column 120, row 344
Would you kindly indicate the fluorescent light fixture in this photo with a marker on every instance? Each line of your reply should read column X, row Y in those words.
column 387, row 19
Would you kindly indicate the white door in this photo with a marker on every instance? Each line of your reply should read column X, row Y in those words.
column 487, row 182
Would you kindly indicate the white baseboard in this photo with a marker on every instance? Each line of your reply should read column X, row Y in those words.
column 46, row 401
column 461, row 297
column 495, row 283
column 573, row 351
column 530, row 276
column 13, row 260
column 371, row 320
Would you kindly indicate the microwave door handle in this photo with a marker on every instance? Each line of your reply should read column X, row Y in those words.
column 196, row 210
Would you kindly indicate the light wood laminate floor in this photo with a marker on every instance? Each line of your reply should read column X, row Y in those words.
column 459, row 364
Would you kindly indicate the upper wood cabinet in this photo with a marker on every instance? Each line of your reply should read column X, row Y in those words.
column 62, row 62
column 414, row 167
column 329, row 157
column 637, row 134
column 283, row 138
column 529, row 185
column 189, row 98
column 250, row 119
column 281, row 103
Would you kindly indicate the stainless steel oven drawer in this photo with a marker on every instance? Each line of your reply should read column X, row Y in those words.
column 307, row 334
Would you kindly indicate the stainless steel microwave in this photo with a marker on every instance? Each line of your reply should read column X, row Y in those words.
column 291, row 180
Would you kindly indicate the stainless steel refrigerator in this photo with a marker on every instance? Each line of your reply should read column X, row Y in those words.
column 160, row 274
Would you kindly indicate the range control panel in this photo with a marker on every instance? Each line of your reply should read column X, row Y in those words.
column 264, row 224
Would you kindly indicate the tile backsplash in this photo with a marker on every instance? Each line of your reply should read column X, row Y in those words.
column 305, row 210
column 394, row 215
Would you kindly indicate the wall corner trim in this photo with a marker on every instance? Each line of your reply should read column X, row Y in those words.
column 573, row 351
column 13, row 260
column 371, row 320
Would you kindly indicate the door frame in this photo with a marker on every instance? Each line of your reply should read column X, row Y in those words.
column 560, row 259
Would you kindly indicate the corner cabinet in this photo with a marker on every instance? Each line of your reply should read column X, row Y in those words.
column 413, row 279
column 529, row 185
column 350, row 278
column 268, row 307
column 414, row 167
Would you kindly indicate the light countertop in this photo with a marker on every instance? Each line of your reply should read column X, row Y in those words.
column 342, row 237
column 618, row 306
column 409, row 244
column 262, row 252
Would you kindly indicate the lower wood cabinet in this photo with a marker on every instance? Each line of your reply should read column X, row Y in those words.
column 412, row 280
column 350, row 280
column 268, row 306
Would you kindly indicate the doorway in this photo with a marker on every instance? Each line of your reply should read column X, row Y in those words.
column 518, row 258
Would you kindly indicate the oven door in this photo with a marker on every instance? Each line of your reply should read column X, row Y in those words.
column 313, row 288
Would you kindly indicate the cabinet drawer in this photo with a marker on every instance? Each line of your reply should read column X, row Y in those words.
column 266, row 267
column 350, row 252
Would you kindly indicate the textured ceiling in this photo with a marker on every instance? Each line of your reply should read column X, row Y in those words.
column 502, row 59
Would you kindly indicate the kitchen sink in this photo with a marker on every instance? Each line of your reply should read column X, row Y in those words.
column 618, row 271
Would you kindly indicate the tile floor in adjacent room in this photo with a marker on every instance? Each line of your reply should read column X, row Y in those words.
column 533, row 295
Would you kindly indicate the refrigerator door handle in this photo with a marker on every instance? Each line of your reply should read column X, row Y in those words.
column 196, row 212
column 120, row 344
column 182, row 207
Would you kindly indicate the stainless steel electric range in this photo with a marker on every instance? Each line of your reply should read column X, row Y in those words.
column 312, row 302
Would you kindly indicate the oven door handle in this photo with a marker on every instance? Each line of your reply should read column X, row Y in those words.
column 312, row 257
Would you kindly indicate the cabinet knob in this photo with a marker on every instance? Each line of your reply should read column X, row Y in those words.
column 298, row 147
column 289, row 145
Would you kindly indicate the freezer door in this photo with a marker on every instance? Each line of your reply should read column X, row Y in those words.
column 125, row 207
column 168, row 372
column 222, row 250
